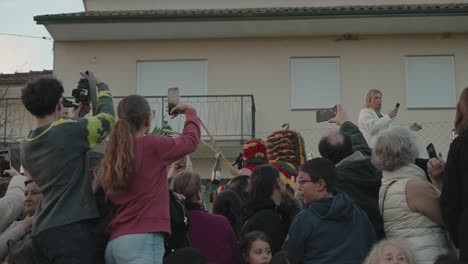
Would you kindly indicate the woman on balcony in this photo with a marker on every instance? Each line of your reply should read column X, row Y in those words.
column 372, row 121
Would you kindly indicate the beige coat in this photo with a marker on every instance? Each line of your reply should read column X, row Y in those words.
column 11, row 205
column 426, row 238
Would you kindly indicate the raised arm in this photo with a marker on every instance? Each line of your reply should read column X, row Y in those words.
column 98, row 126
column 347, row 127
column 174, row 149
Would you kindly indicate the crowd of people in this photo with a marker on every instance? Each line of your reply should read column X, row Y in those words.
column 365, row 200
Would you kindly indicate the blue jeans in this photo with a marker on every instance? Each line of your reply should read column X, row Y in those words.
column 147, row 248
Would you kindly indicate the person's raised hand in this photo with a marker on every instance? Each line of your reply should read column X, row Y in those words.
column 435, row 169
column 393, row 113
column 80, row 110
column 340, row 117
column 27, row 223
column 180, row 108
column 85, row 76
column 11, row 172
column 416, row 126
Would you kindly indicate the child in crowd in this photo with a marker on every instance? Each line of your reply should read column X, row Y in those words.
column 255, row 248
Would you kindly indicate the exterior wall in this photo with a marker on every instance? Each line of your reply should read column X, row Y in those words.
column 262, row 67
column 19, row 120
column 101, row 5
column 14, row 91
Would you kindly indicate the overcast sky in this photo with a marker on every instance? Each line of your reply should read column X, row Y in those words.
column 18, row 54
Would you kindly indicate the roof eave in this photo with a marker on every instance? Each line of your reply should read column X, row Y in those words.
column 60, row 19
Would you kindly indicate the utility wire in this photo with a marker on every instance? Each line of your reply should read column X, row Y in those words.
column 24, row 36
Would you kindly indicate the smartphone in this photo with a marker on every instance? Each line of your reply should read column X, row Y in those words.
column 431, row 152
column 5, row 160
column 397, row 106
column 326, row 114
column 172, row 98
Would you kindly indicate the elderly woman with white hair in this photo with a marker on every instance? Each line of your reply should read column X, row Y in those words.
column 390, row 252
column 408, row 202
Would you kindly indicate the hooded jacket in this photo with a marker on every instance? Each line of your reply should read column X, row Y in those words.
column 360, row 179
column 331, row 230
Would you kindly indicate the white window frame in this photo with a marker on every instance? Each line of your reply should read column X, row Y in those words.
column 430, row 104
column 177, row 60
column 293, row 88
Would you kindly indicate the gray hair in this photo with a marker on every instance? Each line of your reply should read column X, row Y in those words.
column 395, row 147
column 375, row 255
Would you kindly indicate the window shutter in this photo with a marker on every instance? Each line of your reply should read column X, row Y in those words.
column 430, row 81
column 315, row 82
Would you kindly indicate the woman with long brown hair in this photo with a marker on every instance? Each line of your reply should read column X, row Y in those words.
column 454, row 198
column 134, row 177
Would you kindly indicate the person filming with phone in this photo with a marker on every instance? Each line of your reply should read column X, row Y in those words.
column 134, row 178
column 372, row 121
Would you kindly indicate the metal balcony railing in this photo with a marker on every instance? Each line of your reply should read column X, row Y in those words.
column 227, row 117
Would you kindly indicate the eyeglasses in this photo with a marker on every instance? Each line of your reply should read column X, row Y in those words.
column 301, row 182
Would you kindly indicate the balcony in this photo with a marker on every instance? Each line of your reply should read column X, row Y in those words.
column 230, row 119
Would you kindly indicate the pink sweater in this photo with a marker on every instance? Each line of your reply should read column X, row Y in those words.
column 213, row 236
column 144, row 208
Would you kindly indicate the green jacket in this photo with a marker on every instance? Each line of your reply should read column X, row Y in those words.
column 359, row 178
column 55, row 156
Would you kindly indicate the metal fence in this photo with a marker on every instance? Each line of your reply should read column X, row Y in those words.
column 439, row 133
column 228, row 117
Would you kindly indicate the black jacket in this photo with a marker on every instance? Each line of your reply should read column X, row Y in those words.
column 360, row 179
column 270, row 219
column 454, row 198
column 179, row 225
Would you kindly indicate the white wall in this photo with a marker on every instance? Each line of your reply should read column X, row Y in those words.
column 262, row 67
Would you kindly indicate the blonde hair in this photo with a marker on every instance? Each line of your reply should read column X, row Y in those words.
column 371, row 95
column 377, row 250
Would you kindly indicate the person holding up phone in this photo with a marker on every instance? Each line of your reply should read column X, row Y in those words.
column 134, row 178
column 372, row 121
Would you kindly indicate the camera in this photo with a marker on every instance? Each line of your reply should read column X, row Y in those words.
column 84, row 93
column 81, row 93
